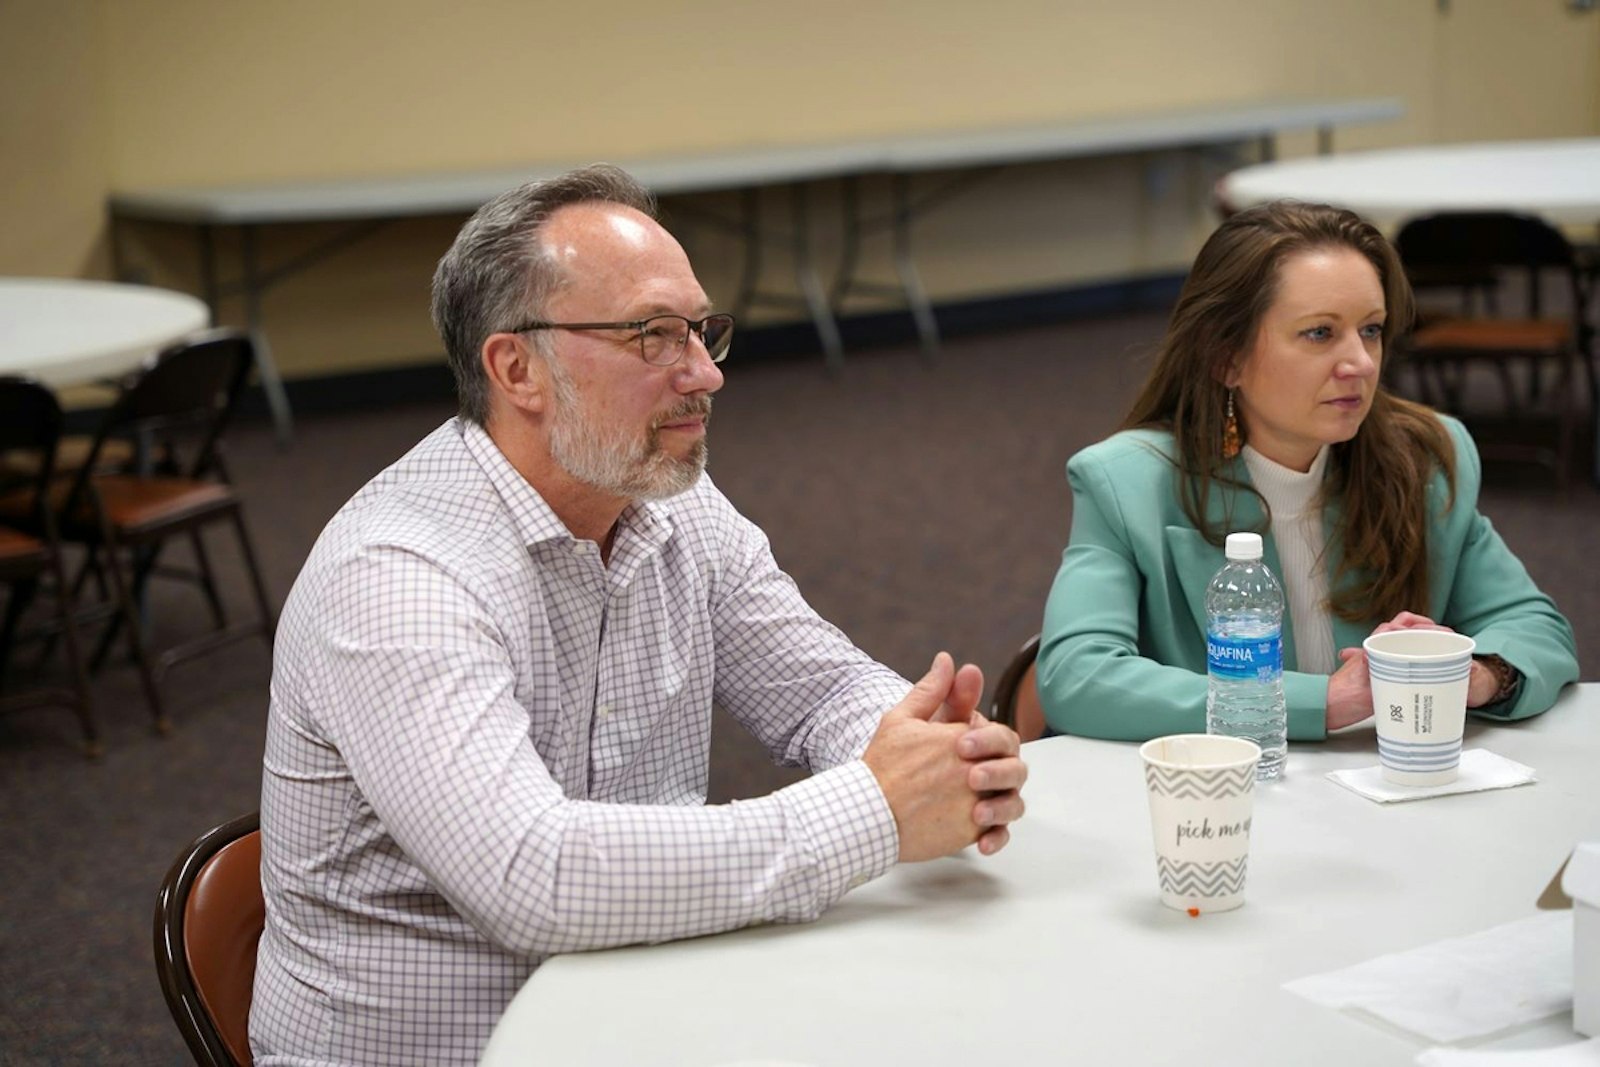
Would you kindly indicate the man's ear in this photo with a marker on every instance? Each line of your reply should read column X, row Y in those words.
column 515, row 373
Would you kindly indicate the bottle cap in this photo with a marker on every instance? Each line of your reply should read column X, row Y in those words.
column 1243, row 546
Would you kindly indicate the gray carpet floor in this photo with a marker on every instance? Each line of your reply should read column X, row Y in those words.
column 919, row 505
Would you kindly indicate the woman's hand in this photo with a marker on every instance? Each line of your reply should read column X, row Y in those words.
column 1410, row 620
column 1349, row 690
column 1482, row 684
column 1350, row 687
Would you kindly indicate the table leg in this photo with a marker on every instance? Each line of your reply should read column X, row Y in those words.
column 750, row 233
column 271, row 381
column 849, row 240
column 208, row 270
column 810, row 282
column 906, row 267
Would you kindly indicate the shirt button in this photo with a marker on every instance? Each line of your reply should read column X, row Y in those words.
column 580, row 547
column 858, row 881
column 604, row 710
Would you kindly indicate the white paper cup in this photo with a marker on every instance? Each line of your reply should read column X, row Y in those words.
column 1202, row 793
column 1419, row 702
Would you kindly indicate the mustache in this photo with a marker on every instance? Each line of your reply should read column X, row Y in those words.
column 691, row 408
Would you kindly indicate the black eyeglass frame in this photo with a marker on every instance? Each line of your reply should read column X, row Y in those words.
column 696, row 326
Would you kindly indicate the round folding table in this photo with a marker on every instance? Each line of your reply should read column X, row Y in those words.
column 1557, row 180
column 64, row 332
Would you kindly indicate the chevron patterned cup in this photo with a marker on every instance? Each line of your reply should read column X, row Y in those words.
column 1202, row 793
column 1419, row 702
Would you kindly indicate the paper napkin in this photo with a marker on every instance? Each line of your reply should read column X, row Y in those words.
column 1464, row 987
column 1480, row 770
column 1574, row 1054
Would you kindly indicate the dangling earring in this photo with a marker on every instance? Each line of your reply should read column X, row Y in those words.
column 1230, row 431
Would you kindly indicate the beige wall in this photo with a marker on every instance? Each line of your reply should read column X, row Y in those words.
column 135, row 93
column 315, row 88
column 1513, row 69
column 55, row 139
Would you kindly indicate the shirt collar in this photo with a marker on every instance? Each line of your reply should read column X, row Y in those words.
column 643, row 527
column 535, row 521
column 1288, row 491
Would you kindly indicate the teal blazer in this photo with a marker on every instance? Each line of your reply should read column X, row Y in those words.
column 1122, row 654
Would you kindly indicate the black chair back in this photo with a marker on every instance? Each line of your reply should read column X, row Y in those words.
column 182, row 403
column 1484, row 241
column 30, row 429
column 1016, row 694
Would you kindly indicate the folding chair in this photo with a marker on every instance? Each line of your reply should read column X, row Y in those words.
column 1016, row 694
column 176, row 409
column 209, row 918
column 1503, row 248
column 30, row 427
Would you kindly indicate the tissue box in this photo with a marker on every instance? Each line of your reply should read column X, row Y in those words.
column 1581, row 882
column 1577, row 885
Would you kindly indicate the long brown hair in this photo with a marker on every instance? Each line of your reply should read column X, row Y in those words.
column 1380, row 476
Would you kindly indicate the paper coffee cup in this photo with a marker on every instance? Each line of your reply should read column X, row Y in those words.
column 1202, row 795
column 1419, row 702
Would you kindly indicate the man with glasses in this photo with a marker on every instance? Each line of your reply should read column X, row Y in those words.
column 491, row 701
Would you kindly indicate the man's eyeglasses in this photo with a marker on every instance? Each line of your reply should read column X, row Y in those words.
column 662, row 338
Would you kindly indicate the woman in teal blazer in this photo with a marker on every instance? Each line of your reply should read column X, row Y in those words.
column 1276, row 344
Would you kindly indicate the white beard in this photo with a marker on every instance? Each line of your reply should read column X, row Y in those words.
column 607, row 458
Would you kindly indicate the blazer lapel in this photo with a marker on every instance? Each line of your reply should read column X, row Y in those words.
column 1195, row 559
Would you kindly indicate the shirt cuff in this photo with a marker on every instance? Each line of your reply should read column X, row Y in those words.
column 848, row 827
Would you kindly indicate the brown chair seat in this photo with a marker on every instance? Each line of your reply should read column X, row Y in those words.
column 134, row 504
column 131, row 503
column 1518, row 337
column 71, row 454
column 18, row 548
column 17, row 509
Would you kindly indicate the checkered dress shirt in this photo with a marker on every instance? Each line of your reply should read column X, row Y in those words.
column 485, row 746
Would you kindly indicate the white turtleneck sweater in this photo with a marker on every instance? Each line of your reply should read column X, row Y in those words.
column 1297, row 531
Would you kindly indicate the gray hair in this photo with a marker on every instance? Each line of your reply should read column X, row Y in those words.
column 498, row 272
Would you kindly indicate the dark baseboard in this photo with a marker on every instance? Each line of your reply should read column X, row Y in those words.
column 344, row 392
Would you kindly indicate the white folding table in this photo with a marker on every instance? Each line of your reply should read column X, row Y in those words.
column 64, row 331
column 1057, row 951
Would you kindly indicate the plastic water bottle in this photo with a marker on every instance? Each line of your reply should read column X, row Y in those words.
column 1244, row 653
